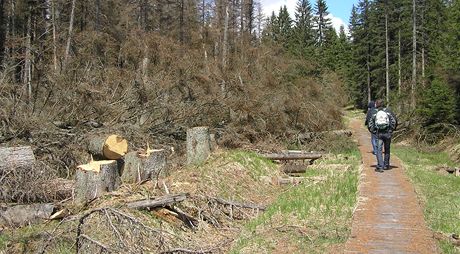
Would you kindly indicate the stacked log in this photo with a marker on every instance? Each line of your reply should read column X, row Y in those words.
column 145, row 165
column 95, row 178
column 111, row 147
column 198, row 145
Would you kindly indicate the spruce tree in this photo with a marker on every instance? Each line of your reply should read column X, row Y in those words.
column 303, row 30
column 322, row 22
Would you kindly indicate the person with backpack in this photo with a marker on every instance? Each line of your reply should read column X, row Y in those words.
column 382, row 124
column 370, row 109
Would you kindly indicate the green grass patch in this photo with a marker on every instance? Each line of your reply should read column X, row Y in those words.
column 439, row 193
column 254, row 163
column 3, row 241
column 311, row 216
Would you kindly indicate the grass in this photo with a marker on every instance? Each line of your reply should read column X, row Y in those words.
column 256, row 165
column 311, row 217
column 439, row 193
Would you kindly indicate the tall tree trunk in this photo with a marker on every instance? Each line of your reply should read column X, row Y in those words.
column 182, row 23
column 203, row 35
column 369, row 97
column 27, row 59
column 387, row 65
column 2, row 32
column 399, row 61
column 414, row 54
column 98, row 15
column 69, row 38
column 423, row 40
column 53, row 23
column 225, row 41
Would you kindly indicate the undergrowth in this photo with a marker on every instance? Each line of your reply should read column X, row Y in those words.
column 439, row 193
column 311, row 217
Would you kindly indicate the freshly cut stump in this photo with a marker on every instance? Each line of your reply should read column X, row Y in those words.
column 111, row 147
column 139, row 167
column 16, row 157
column 95, row 178
column 198, row 145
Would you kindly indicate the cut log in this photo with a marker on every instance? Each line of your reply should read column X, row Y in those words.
column 238, row 204
column 198, row 145
column 58, row 188
column 95, row 178
column 293, row 155
column 16, row 157
column 142, row 166
column 25, row 214
column 290, row 180
column 294, row 169
column 111, row 147
column 158, row 202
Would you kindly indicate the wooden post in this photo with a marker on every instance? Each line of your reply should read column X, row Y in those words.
column 95, row 178
column 198, row 145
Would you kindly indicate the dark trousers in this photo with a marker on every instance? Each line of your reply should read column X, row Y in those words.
column 383, row 141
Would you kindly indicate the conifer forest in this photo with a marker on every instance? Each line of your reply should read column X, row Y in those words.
column 130, row 123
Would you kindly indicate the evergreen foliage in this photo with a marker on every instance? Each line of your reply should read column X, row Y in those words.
column 437, row 104
column 435, row 55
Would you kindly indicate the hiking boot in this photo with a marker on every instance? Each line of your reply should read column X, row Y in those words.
column 380, row 170
column 386, row 168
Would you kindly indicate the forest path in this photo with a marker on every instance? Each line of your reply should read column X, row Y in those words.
column 388, row 218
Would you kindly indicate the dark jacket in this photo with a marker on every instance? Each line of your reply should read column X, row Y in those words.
column 370, row 108
column 392, row 117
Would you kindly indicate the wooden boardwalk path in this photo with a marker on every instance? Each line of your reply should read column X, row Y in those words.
column 388, row 218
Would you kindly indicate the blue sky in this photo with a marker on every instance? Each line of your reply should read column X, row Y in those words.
column 339, row 9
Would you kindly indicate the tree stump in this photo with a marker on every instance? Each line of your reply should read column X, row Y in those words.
column 198, row 145
column 16, row 157
column 111, row 147
column 95, row 178
column 142, row 166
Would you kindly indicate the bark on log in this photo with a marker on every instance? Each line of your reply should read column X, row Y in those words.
column 139, row 167
column 95, row 178
column 158, row 202
column 291, row 155
column 58, row 189
column 111, row 147
column 294, row 169
column 198, row 145
column 16, row 157
column 238, row 204
column 24, row 214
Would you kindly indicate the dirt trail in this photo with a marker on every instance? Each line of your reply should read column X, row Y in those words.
column 388, row 218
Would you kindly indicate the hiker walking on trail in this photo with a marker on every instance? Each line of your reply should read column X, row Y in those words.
column 370, row 109
column 382, row 124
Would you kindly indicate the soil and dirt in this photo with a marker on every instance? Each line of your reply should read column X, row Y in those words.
column 388, row 217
